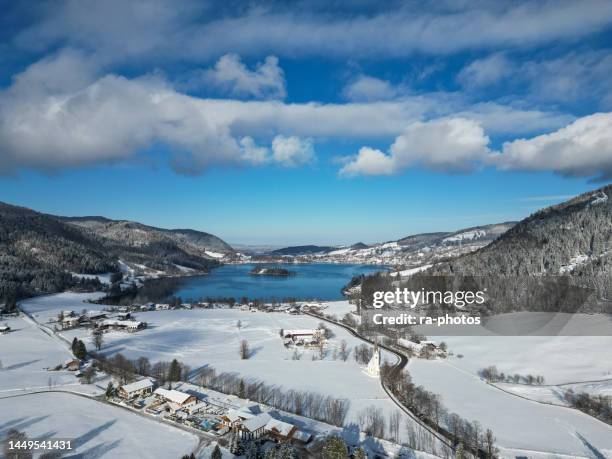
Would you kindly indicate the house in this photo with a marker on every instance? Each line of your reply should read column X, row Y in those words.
column 128, row 325
column 162, row 306
column 4, row 329
column 175, row 399
column 68, row 313
column 95, row 315
column 253, row 428
column 280, row 430
column 234, row 418
column 136, row 389
column 301, row 436
column 124, row 316
column 69, row 322
column 304, row 336
column 72, row 365
column 194, row 409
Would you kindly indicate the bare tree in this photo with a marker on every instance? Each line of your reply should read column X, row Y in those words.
column 394, row 425
column 239, row 325
column 344, row 352
column 244, row 349
column 98, row 339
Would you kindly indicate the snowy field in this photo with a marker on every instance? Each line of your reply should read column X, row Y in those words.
column 25, row 354
column 517, row 423
column 204, row 337
column 577, row 356
column 96, row 429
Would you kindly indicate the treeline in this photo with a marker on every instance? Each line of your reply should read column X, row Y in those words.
column 428, row 407
column 598, row 406
column 127, row 369
column 303, row 403
column 492, row 374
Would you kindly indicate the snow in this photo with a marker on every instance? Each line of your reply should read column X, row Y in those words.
column 577, row 356
column 574, row 262
column 517, row 423
column 25, row 354
column 214, row 254
column 103, row 278
column 338, row 308
column 465, row 236
column 185, row 269
column 210, row 337
column 599, row 198
column 411, row 271
column 96, row 429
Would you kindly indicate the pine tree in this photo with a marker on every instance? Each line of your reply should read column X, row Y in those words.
column 79, row 350
column 252, row 451
column 287, row 451
column 110, row 389
column 216, row 454
column 360, row 453
column 174, row 373
column 241, row 389
column 460, row 453
column 334, row 448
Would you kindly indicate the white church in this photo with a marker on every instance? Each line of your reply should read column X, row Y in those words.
column 373, row 368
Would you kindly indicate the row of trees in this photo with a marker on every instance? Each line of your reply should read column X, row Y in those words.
column 492, row 374
column 427, row 406
column 599, row 406
column 304, row 403
column 125, row 369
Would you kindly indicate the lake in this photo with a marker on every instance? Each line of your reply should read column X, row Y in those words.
column 310, row 281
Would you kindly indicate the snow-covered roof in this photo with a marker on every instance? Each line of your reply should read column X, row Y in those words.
column 137, row 385
column 257, row 422
column 301, row 332
column 123, row 323
column 173, row 395
column 283, row 428
column 4, row 327
column 302, row 436
column 92, row 314
column 237, row 415
column 198, row 407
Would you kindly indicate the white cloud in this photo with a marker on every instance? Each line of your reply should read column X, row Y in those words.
column 292, row 151
column 366, row 89
column 253, row 153
column 445, row 145
column 583, row 148
column 573, row 77
column 187, row 29
column 485, row 72
column 84, row 118
column 266, row 81
column 369, row 161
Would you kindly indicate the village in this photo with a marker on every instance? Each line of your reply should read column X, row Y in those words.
column 223, row 416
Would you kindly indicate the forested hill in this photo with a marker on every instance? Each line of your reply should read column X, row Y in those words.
column 39, row 251
column 573, row 238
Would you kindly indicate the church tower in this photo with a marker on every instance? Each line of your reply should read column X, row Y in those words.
column 373, row 368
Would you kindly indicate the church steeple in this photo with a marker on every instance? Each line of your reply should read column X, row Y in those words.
column 373, row 368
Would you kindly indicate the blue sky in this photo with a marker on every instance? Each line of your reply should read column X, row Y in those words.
column 265, row 124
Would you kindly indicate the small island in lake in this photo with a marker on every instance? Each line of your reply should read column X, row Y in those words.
column 270, row 271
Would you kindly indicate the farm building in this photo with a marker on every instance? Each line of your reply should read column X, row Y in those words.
column 4, row 329
column 69, row 322
column 304, row 336
column 95, row 315
column 254, row 428
column 136, row 389
column 72, row 364
column 128, row 325
column 176, row 400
